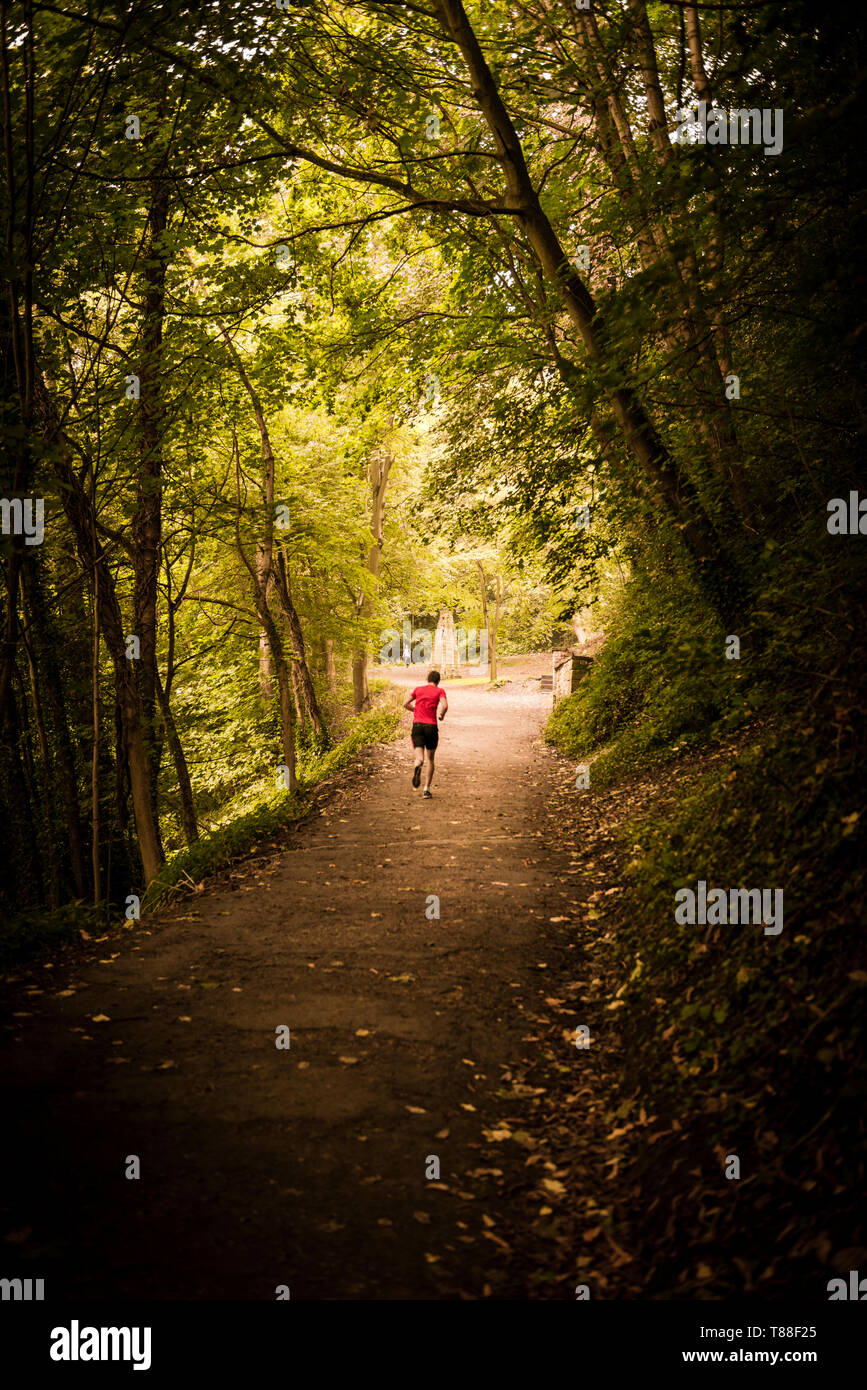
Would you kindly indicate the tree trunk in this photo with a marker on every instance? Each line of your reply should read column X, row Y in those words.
column 46, row 644
column 380, row 467
column 266, row 675
column 79, row 512
column 54, row 877
column 146, row 527
column 330, row 667
column 491, row 631
column 302, row 680
column 94, row 762
column 185, row 786
column 261, row 571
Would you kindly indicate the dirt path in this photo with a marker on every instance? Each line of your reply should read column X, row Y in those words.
column 305, row 1167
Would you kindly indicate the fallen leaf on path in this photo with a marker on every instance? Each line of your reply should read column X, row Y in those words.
column 423, row 1217
column 554, row 1186
column 164, row 1066
column 442, row 1133
column 432, row 1259
column 96, row 1018
column 416, row 1110
column 526, row 1140
column 496, row 1136
column 348, row 1061
column 362, row 1032
column 489, row 1235
column 466, row 1106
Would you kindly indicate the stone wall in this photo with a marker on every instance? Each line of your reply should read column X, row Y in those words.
column 569, row 670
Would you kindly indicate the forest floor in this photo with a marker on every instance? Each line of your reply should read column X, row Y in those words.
column 411, row 1037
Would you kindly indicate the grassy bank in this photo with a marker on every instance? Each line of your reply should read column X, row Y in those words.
column 740, row 1042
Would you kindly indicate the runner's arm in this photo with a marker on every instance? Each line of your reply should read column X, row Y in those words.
column 443, row 705
column 410, row 703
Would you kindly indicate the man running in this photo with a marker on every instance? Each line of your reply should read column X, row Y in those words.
column 425, row 701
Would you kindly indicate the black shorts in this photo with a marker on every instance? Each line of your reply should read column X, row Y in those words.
column 425, row 736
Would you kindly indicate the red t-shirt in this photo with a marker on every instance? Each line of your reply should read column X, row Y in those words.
column 427, row 697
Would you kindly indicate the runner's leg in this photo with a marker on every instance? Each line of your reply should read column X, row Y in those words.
column 429, row 768
column 418, row 756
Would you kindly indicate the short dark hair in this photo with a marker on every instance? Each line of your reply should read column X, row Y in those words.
column 433, row 677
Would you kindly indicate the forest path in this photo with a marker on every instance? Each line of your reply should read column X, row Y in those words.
column 306, row 1167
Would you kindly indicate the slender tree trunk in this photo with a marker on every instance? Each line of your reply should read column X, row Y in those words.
column 94, row 764
column 42, row 634
column 185, row 786
column 80, row 515
column 306, row 692
column 266, row 675
column 54, row 876
column 147, row 518
column 716, row 247
column 491, row 630
column 380, row 467
column 261, row 570
column 330, row 666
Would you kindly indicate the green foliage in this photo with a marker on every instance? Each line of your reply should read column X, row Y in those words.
column 660, row 684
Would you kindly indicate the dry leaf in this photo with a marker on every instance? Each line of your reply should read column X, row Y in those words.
column 554, row 1186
